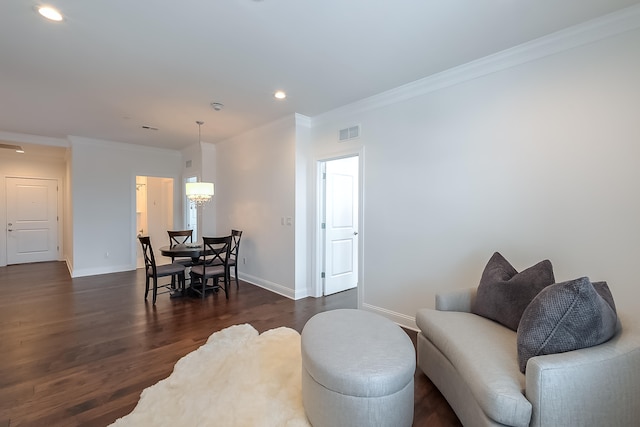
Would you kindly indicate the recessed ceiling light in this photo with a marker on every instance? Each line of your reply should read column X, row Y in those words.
column 50, row 13
column 280, row 94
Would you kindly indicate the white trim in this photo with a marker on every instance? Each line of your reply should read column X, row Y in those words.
column 401, row 319
column 303, row 120
column 316, row 282
column 33, row 139
column 606, row 26
column 83, row 272
column 273, row 287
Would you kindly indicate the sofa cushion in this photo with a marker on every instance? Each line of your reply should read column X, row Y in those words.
column 566, row 316
column 484, row 353
column 503, row 293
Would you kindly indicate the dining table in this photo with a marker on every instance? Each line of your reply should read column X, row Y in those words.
column 184, row 250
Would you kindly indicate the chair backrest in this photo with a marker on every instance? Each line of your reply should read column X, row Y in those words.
column 216, row 250
column 147, row 252
column 180, row 237
column 236, row 235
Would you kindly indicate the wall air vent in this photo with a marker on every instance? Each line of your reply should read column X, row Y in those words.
column 349, row 133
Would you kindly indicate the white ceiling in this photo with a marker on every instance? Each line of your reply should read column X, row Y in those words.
column 113, row 66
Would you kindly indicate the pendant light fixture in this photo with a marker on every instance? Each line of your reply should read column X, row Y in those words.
column 199, row 193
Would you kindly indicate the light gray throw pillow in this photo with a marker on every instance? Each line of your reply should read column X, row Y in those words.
column 566, row 316
column 503, row 293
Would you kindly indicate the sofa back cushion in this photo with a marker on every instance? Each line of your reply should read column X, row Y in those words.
column 566, row 316
column 503, row 293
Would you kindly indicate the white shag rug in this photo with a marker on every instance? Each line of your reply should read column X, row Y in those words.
column 238, row 378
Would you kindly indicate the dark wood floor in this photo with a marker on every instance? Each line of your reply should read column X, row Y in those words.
column 80, row 351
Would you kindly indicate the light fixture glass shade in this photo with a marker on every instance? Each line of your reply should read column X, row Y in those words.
column 199, row 192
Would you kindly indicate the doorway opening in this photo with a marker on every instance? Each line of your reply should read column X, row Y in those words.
column 154, row 212
column 339, row 223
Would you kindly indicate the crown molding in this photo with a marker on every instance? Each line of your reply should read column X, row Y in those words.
column 33, row 139
column 606, row 26
column 303, row 120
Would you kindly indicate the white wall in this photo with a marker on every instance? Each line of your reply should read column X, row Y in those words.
column 103, row 200
column 255, row 190
column 536, row 161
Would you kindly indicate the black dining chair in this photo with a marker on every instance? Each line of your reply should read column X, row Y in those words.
column 181, row 237
column 236, row 235
column 153, row 271
column 212, row 265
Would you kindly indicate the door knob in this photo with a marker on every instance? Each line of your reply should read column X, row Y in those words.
column 355, row 233
column 10, row 229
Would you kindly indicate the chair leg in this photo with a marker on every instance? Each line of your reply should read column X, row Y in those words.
column 155, row 289
column 236, row 270
column 204, row 284
column 146, row 287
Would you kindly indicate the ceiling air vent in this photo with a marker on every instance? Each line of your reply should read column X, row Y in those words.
column 349, row 133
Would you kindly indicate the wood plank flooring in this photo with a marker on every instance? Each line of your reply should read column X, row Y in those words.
column 80, row 351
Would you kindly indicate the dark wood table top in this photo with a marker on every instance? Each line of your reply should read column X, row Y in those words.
column 184, row 250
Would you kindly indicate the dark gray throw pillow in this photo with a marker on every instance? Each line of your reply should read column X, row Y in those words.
column 503, row 293
column 566, row 316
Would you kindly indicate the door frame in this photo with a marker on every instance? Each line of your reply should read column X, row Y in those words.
column 177, row 219
column 59, row 208
column 187, row 207
column 317, row 281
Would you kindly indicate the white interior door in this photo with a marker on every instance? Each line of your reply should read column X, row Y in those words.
column 32, row 220
column 341, row 225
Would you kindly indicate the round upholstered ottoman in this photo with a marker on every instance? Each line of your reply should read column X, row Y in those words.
column 357, row 370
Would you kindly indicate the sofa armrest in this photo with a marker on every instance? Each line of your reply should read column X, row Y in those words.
column 459, row 300
column 593, row 386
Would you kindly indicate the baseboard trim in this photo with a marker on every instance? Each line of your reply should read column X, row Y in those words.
column 273, row 287
column 100, row 270
column 398, row 318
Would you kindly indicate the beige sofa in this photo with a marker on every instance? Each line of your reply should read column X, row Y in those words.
column 473, row 362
